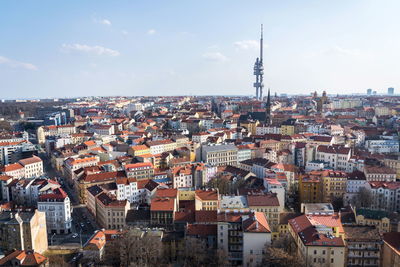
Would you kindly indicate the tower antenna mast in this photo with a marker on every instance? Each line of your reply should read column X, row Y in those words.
column 259, row 70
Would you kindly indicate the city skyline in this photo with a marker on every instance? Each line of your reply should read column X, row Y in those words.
column 94, row 49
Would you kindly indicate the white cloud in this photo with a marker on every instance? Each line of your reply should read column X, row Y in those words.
column 124, row 32
column 102, row 21
column 247, row 45
column 96, row 50
column 17, row 64
column 105, row 22
column 151, row 31
column 215, row 56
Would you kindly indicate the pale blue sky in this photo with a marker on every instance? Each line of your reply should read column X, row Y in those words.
column 77, row 48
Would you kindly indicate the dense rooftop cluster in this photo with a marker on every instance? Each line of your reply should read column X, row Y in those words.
column 234, row 180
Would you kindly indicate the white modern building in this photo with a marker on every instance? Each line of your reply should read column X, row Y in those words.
column 57, row 207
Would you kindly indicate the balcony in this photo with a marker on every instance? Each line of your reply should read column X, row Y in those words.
column 235, row 256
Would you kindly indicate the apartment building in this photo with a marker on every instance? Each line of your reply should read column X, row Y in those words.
column 161, row 146
column 57, row 207
column 91, row 179
column 386, row 196
column 207, row 199
column 269, row 205
column 355, row 181
column 336, row 156
column 28, row 168
column 243, row 236
column 24, row 230
column 53, row 130
column 102, row 129
column 310, row 189
column 201, row 137
column 334, row 185
column 256, row 236
column 73, row 164
column 382, row 146
column 110, row 212
column 182, row 177
column 27, row 191
column 319, row 239
column 11, row 152
column 363, row 246
column 140, row 171
column 219, row 155
column 378, row 218
column 380, row 173
column 138, row 150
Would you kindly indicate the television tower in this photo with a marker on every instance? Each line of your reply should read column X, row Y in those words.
column 259, row 70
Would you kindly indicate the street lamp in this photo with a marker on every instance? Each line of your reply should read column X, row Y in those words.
column 51, row 239
column 80, row 236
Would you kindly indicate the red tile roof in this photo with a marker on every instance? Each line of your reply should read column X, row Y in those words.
column 306, row 227
column 31, row 160
column 256, row 223
column 26, row 258
column 138, row 165
column 167, row 192
column 12, row 167
column 393, row 240
column 98, row 177
column 207, row 194
column 162, row 204
column 263, row 200
column 58, row 194
column 98, row 240
column 203, row 230
column 335, row 149
column 206, row 216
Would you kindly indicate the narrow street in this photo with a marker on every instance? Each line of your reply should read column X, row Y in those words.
column 83, row 223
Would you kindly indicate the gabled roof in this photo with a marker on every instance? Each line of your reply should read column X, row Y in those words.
column 57, row 194
column 256, row 223
column 25, row 257
column 306, row 227
column 98, row 240
column 12, row 167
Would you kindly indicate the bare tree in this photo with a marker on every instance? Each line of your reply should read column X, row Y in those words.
column 194, row 252
column 220, row 258
column 223, row 185
column 278, row 257
column 57, row 260
column 363, row 199
column 151, row 250
column 286, row 243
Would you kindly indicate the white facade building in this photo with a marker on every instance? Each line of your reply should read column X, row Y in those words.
column 57, row 207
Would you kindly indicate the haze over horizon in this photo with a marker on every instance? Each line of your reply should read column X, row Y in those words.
column 196, row 48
